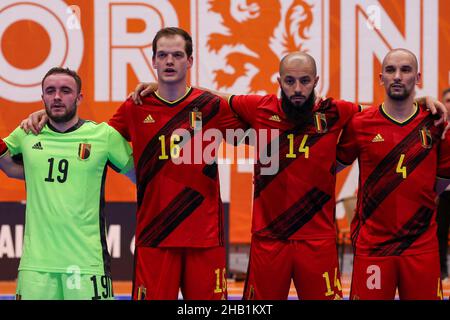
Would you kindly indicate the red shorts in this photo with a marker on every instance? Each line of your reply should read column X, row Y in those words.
column 415, row 276
column 159, row 273
column 312, row 264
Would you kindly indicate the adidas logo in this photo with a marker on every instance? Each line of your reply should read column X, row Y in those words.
column 149, row 119
column 378, row 138
column 275, row 118
column 38, row 146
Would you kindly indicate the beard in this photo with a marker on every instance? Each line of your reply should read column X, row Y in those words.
column 67, row 116
column 398, row 96
column 298, row 113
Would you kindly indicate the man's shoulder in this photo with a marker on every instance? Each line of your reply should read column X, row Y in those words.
column 196, row 92
column 368, row 112
column 91, row 125
column 268, row 101
column 87, row 129
column 337, row 103
column 94, row 124
column 360, row 121
column 148, row 100
column 263, row 97
column 93, row 128
column 425, row 111
column 17, row 135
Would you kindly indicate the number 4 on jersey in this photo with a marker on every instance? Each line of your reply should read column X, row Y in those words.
column 400, row 167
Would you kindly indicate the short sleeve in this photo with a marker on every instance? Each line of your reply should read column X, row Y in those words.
column 245, row 106
column 347, row 110
column 120, row 154
column 119, row 120
column 347, row 149
column 229, row 119
column 14, row 141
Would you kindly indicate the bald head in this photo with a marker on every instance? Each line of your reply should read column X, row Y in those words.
column 400, row 75
column 298, row 78
column 299, row 61
column 403, row 53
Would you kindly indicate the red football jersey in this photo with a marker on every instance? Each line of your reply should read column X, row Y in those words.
column 298, row 201
column 398, row 165
column 179, row 204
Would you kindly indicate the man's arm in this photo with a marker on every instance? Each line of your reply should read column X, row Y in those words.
column 10, row 168
column 347, row 149
column 438, row 109
column 143, row 89
column 120, row 154
column 35, row 122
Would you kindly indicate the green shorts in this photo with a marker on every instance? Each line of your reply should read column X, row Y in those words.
column 35, row 285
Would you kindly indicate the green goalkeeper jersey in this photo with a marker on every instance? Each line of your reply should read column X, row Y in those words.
column 65, row 228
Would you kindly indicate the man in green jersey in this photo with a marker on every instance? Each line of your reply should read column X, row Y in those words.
column 65, row 254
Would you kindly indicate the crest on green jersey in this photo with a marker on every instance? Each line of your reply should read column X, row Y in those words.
column 84, row 151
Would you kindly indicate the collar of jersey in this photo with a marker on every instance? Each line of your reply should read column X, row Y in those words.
column 401, row 123
column 71, row 129
column 175, row 102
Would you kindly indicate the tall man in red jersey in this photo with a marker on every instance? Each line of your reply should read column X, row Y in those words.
column 400, row 155
column 179, row 234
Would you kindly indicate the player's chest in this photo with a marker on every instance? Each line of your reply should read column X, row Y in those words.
column 153, row 120
column 58, row 157
column 318, row 123
column 316, row 139
column 384, row 143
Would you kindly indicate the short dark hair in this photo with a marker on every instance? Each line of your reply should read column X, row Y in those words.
column 60, row 70
column 170, row 32
column 445, row 92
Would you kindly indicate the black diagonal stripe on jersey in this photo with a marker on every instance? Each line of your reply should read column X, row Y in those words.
column 262, row 181
column 302, row 211
column 149, row 164
column 384, row 179
column 406, row 236
column 181, row 207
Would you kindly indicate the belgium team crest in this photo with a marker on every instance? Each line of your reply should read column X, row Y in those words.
column 320, row 121
column 84, row 151
column 425, row 138
column 141, row 293
column 195, row 119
